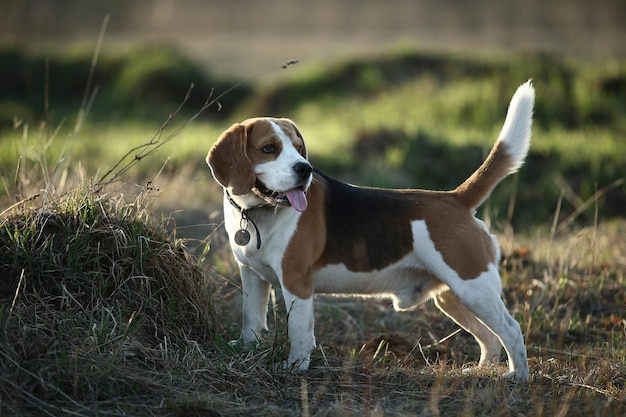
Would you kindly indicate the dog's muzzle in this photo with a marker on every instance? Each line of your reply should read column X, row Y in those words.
column 296, row 197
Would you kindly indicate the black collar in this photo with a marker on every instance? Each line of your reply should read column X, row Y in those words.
column 242, row 237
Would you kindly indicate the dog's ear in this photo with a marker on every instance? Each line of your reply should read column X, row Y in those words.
column 229, row 161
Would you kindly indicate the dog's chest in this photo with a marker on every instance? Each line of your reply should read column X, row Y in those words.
column 275, row 229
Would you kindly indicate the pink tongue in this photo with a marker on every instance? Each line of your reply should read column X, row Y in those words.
column 297, row 199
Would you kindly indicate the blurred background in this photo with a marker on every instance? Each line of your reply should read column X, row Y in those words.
column 388, row 93
column 246, row 35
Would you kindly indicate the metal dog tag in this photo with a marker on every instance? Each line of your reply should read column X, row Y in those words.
column 242, row 237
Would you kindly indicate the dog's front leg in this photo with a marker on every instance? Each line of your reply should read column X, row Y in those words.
column 300, row 328
column 256, row 294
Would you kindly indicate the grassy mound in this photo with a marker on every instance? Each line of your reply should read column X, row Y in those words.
column 95, row 298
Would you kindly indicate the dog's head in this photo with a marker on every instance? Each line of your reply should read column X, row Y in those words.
column 263, row 158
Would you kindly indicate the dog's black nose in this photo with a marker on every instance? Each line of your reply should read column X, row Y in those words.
column 302, row 170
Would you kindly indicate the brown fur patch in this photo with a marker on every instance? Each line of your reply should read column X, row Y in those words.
column 306, row 245
column 479, row 185
column 261, row 133
column 463, row 244
column 229, row 162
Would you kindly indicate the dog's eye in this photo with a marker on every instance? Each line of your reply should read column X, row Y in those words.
column 268, row 148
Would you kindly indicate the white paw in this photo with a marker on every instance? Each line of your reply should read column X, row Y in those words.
column 236, row 343
column 298, row 362
column 487, row 370
column 470, row 371
column 520, row 375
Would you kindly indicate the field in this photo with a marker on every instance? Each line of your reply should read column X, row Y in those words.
column 119, row 298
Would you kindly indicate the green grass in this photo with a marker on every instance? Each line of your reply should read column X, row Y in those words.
column 134, row 83
column 398, row 120
column 100, row 145
column 104, row 312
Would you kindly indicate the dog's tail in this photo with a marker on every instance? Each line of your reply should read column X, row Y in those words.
column 508, row 153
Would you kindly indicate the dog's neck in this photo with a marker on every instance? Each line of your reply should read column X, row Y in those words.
column 247, row 201
column 242, row 237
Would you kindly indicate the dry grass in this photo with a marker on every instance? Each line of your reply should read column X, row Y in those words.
column 103, row 313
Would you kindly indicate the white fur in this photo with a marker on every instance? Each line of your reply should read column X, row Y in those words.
column 403, row 282
column 516, row 131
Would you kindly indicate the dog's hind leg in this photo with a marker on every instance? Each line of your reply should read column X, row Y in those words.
column 481, row 296
column 490, row 346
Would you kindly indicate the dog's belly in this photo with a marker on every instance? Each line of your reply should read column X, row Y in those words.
column 405, row 282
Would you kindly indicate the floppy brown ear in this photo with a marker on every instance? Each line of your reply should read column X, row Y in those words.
column 229, row 162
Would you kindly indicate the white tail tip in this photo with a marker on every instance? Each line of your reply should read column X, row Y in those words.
column 516, row 131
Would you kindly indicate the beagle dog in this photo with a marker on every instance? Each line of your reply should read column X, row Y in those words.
column 292, row 226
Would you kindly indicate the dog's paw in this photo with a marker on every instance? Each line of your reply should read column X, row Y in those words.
column 286, row 366
column 298, row 363
column 519, row 375
column 243, row 343
column 471, row 371
column 487, row 369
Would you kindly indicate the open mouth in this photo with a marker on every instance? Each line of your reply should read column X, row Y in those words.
column 295, row 197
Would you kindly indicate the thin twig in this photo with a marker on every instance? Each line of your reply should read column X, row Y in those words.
column 582, row 207
column 438, row 342
column 17, row 292
column 145, row 148
column 25, row 200
column 586, row 386
column 82, row 113
column 142, row 151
